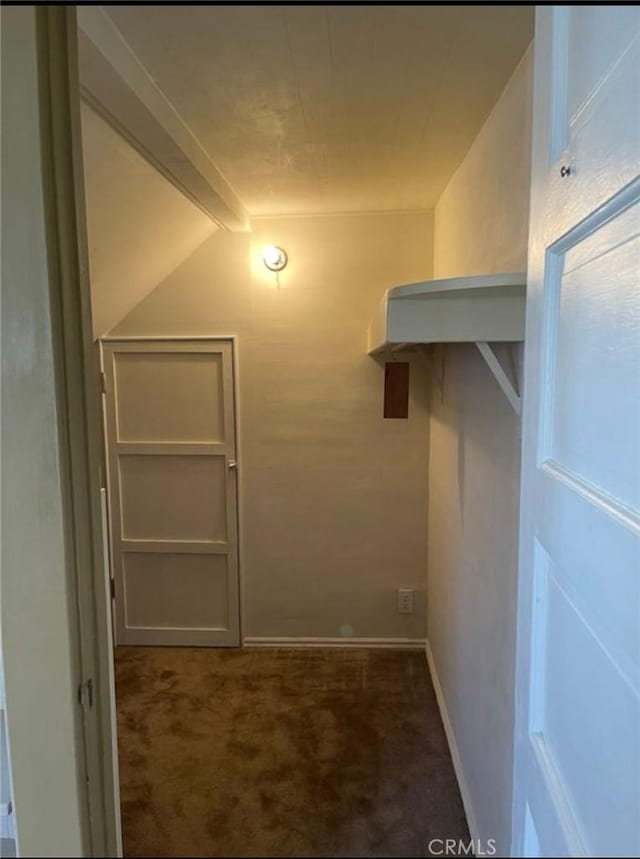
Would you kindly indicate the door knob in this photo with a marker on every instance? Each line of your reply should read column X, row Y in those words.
column 232, row 464
column 565, row 171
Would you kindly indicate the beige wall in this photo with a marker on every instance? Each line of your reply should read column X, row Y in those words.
column 334, row 496
column 140, row 227
column 482, row 217
column 481, row 224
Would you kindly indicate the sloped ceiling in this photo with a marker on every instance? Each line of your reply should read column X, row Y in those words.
column 311, row 109
column 140, row 227
column 302, row 109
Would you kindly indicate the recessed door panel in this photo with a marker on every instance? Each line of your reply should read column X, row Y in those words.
column 580, row 678
column 160, row 397
column 608, row 37
column 592, row 382
column 173, row 497
column 175, row 592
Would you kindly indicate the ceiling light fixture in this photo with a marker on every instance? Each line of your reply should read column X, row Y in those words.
column 274, row 258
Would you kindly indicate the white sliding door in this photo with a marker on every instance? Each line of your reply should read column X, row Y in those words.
column 172, row 491
column 577, row 751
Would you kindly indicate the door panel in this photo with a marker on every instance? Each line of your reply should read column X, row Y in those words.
column 173, row 497
column 171, row 452
column 577, row 749
column 608, row 37
column 576, row 744
column 169, row 591
column 590, row 383
column 159, row 397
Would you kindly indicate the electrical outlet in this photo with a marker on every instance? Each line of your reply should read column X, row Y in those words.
column 405, row 600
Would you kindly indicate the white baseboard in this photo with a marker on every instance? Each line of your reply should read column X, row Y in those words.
column 293, row 642
column 453, row 748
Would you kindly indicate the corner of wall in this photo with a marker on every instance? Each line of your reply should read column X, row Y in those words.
column 481, row 227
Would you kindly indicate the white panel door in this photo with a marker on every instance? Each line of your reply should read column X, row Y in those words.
column 171, row 451
column 577, row 745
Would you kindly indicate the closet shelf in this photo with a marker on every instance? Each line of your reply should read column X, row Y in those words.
column 482, row 309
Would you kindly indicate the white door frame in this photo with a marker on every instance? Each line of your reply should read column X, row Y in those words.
column 208, row 338
column 56, row 810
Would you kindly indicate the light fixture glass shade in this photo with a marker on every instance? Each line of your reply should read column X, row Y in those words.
column 274, row 258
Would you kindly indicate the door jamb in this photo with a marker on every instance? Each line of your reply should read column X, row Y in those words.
column 76, row 396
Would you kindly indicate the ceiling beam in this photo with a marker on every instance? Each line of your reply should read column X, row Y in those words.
column 116, row 84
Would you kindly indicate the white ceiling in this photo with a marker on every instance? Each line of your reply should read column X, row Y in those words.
column 310, row 109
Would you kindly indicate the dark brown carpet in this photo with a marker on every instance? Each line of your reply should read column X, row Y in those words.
column 282, row 753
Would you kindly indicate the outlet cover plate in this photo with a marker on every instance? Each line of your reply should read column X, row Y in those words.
column 405, row 600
